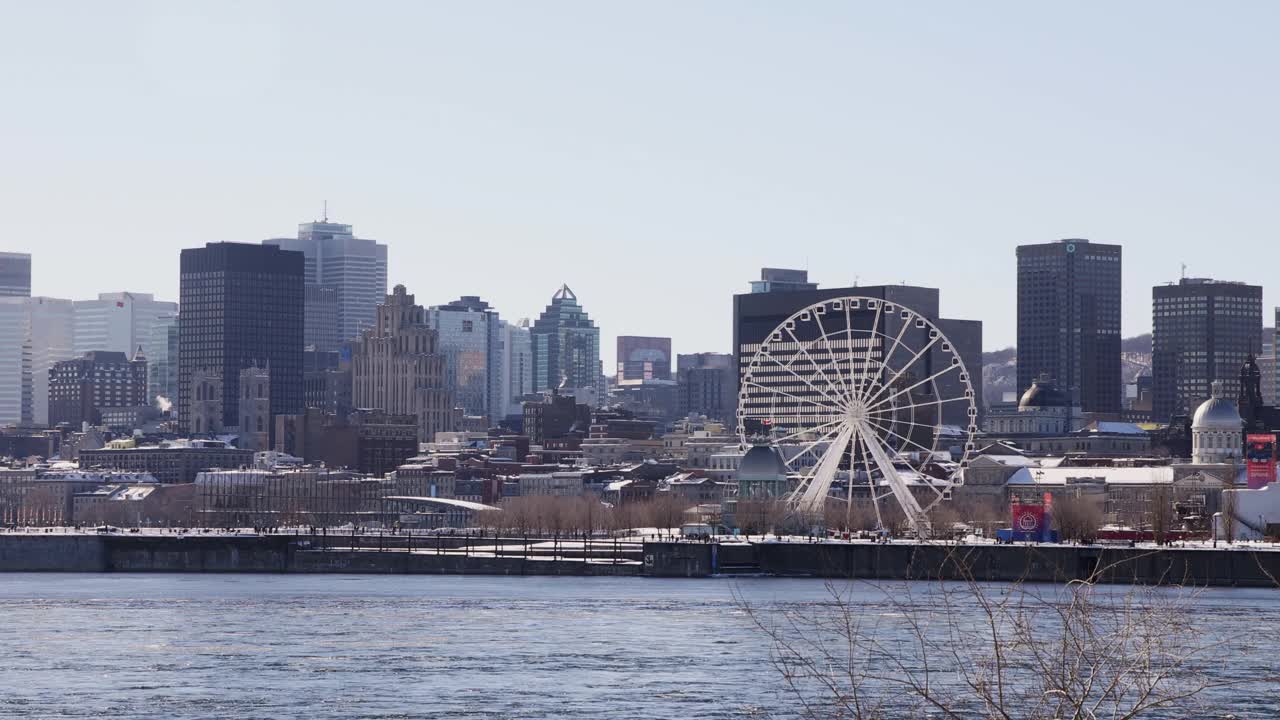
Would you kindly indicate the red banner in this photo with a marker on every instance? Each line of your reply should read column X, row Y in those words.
column 1260, row 460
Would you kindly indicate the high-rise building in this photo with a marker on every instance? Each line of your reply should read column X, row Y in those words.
column 15, row 274
column 706, row 385
column 355, row 269
column 242, row 306
column 517, row 365
column 320, row 326
column 470, row 337
column 643, row 358
column 397, row 367
column 758, row 314
column 35, row 332
column 1202, row 332
column 1069, row 320
column 80, row 389
column 566, row 347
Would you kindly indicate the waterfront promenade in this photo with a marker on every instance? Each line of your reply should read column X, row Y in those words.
column 303, row 551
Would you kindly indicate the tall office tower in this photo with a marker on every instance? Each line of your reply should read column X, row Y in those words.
column 781, row 280
column 320, row 326
column 705, row 385
column 757, row 314
column 1202, row 331
column 397, row 367
column 1069, row 320
column 643, row 358
column 470, row 338
column 355, row 269
column 15, row 274
column 80, row 389
column 566, row 347
column 517, row 365
column 242, row 306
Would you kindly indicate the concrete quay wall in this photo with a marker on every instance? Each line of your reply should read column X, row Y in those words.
column 1033, row 563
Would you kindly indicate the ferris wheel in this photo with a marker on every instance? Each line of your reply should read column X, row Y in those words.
column 866, row 393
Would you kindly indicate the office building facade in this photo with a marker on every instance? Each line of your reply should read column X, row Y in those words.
column 1203, row 331
column 643, row 358
column 1069, row 320
column 517, row 365
column 706, row 383
column 80, row 389
column 242, row 307
column 125, row 322
column 355, row 269
column 470, row 337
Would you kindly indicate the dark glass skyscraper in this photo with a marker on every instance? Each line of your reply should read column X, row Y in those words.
column 241, row 305
column 1201, row 331
column 1069, row 320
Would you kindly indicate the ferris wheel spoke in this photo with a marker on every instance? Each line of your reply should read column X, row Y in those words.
column 866, row 356
column 897, row 435
column 904, row 368
column 806, row 431
column 884, row 357
column 797, row 398
column 833, row 359
column 930, row 403
column 871, row 480
column 826, row 437
column 931, row 378
column 812, row 362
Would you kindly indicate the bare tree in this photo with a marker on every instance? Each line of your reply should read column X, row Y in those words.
column 1014, row 652
column 1078, row 519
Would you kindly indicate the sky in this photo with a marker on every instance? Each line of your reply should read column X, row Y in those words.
column 653, row 156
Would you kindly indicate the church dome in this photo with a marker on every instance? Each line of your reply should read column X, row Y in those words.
column 1042, row 394
column 761, row 463
column 1217, row 413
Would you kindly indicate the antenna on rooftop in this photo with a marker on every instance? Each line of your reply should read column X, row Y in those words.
column 326, row 213
column 1184, row 271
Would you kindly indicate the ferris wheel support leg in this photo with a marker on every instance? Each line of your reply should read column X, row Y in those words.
column 916, row 516
column 813, row 501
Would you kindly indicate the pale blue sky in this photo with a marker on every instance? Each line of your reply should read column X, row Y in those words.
column 653, row 155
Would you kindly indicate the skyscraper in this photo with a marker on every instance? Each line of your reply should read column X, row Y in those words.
column 397, row 367
column 643, row 358
column 242, row 306
column 1069, row 320
column 35, row 333
column 470, row 339
column 1202, row 332
column 566, row 346
column 355, row 269
column 15, row 274
column 517, row 365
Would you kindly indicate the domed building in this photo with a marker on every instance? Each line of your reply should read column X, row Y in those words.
column 762, row 474
column 1044, row 409
column 1217, row 430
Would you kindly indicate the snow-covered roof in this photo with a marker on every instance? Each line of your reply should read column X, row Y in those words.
column 1116, row 428
column 1108, row 475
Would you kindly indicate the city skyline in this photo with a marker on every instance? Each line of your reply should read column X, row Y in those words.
column 561, row 134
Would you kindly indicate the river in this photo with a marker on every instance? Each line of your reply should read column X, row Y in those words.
column 334, row 646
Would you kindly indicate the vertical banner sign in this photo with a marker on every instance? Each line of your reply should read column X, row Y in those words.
column 1260, row 459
